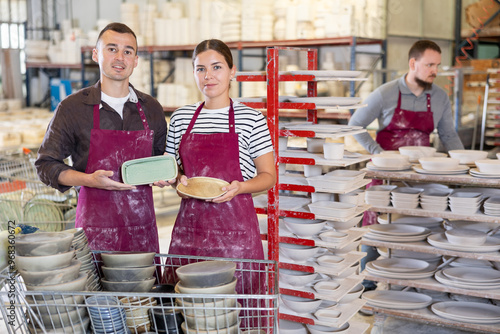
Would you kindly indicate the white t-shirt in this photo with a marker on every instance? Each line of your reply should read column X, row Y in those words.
column 116, row 103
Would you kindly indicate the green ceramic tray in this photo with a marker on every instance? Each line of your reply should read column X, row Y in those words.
column 149, row 170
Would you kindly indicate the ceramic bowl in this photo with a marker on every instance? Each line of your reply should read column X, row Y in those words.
column 344, row 225
column 467, row 157
column 205, row 308
column 354, row 197
column 63, row 318
column 138, row 307
column 390, row 160
column 349, row 271
column 464, row 236
column 130, row 286
column 298, row 252
column 330, row 261
column 350, row 247
column 291, row 327
column 127, row 259
column 193, row 330
column 159, row 290
column 299, row 304
column 51, row 277
column 417, row 152
column 128, row 274
column 490, row 166
column 327, row 314
column 166, row 320
column 44, row 263
column 438, row 163
column 224, row 320
column 333, row 209
column 333, row 236
column 318, row 329
column 333, row 151
column 304, row 227
column 43, row 243
column 297, row 278
column 315, row 145
column 206, row 273
column 227, row 288
column 312, row 170
column 75, row 285
column 353, row 294
column 326, row 287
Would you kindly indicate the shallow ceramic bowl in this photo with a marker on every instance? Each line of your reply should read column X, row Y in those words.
column 75, row 285
column 438, row 163
column 353, row 294
column 224, row 320
column 297, row 278
column 298, row 252
column 349, row 271
column 206, row 274
column 63, row 318
column 345, row 225
column 326, row 287
column 318, row 329
column 299, row 304
column 417, row 152
column 304, row 227
column 291, row 327
column 43, row 243
column 464, row 236
column 468, row 157
column 205, row 308
column 390, row 160
column 330, row 261
column 193, row 330
column 127, row 259
column 44, row 263
column 491, row 166
column 51, row 277
column 333, row 236
column 128, row 273
column 327, row 314
column 227, row 288
column 138, row 307
column 131, row 286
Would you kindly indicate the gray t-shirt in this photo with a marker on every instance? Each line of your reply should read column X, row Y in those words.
column 382, row 102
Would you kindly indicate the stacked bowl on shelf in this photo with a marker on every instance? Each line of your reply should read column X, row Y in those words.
column 465, row 203
column 204, row 315
column 406, row 197
column 85, row 256
column 128, row 271
column 46, row 263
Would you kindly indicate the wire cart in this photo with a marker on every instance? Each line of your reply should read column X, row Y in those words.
column 133, row 312
column 25, row 199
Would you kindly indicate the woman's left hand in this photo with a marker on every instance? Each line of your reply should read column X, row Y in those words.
column 232, row 190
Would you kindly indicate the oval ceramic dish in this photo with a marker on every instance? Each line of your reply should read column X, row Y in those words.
column 149, row 170
column 202, row 187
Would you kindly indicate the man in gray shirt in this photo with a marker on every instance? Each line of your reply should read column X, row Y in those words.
column 408, row 109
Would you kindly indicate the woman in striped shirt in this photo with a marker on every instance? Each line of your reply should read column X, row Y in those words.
column 226, row 140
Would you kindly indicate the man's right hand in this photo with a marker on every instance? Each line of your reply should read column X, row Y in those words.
column 101, row 179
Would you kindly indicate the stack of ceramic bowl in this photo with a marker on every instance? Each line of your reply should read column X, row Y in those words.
column 137, row 312
column 128, row 271
column 82, row 251
column 46, row 263
column 492, row 206
column 107, row 315
column 434, row 199
column 465, row 203
column 416, row 152
column 379, row 195
column 201, row 314
column 405, row 197
column 389, row 162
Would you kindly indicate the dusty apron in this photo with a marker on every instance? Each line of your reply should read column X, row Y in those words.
column 407, row 128
column 118, row 220
column 229, row 229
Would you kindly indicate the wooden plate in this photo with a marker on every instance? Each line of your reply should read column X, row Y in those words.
column 201, row 187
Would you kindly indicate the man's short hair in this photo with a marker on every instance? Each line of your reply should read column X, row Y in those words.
column 419, row 47
column 119, row 28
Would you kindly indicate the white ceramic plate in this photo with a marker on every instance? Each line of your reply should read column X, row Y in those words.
column 412, row 220
column 478, row 275
column 392, row 238
column 478, row 173
column 459, row 170
column 403, row 265
column 398, row 299
column 439, row 276
column 397, row 230
column 371, row 166
column 439, row 240
column 467, row 312
column 415, row 275
column 327, row 100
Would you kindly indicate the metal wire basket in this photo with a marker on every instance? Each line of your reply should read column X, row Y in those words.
column 253, row 310
column 25, row 199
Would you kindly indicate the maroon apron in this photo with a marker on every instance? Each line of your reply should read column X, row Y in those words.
column 118, row 220
column 407, row 128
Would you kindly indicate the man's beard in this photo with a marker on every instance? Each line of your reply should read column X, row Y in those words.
column 424, row 84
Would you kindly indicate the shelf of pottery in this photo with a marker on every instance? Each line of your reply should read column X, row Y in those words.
column 491, row 109
column 311, row 215
column 455, row 272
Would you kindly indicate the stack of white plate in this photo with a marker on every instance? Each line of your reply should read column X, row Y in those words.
column 379, row 195
column 400, row 268
column 476, row 173
column 465, row 203
column 492, row 206
column 337, row 180
column 429, row 222
column 401, row 300
column 434, row 199
column 397, row 233
column 432, row 259
column 439, row 240
column 405, row 197
column 469, row 278
column 465, row 262
column 471, row 312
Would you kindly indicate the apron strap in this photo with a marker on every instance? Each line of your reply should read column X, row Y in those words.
column 97, row 116
column 197, row 113
column 399, row 101
column 428, row 102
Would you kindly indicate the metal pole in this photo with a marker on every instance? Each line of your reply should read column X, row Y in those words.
column 485, row 107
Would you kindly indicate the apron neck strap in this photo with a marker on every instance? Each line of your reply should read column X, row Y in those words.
column 197, row 113
column 399, row 101
column 97, row 116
